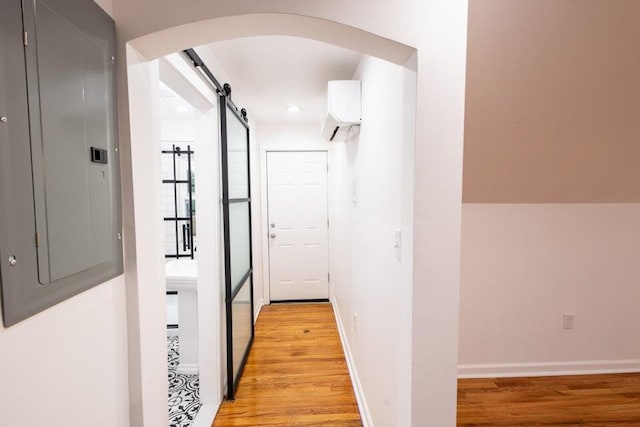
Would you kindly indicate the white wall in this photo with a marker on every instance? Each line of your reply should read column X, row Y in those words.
column 68, row 364
column 256, row 215
column 176, row 131
column 210, row 265
column 367, row 279
column 524, row 265
column 144, row 269
column 291, row 136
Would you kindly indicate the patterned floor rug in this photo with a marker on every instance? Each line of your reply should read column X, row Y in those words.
column 184, row 390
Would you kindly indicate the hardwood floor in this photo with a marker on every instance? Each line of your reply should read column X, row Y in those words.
column 296, row 374
column 588, row 400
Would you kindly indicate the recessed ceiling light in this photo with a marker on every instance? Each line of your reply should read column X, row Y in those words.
column 292, row 108
column 182, row 108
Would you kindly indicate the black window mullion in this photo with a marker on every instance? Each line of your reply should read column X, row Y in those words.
column 236, row 289
column 231, row 201
column 190, row 192
column 175, row 199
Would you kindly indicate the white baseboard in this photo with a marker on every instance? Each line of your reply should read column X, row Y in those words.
column 224, row 387
column 590, row 367
column 187, row 368
column 205, row 416
column 353, row 372
column 257, row 309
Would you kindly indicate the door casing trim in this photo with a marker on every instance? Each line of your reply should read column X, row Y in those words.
column 264, row 212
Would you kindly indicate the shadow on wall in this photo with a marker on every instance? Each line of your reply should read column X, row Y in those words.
column 351, row 144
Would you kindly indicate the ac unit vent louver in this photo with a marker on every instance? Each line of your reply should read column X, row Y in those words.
column 344, row 109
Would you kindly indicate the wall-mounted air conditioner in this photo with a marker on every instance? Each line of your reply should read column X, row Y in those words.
column 344, row 109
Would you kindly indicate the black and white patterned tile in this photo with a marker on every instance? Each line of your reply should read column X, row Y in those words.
column 184, row 390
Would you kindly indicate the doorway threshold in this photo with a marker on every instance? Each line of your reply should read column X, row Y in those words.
column 300, row 301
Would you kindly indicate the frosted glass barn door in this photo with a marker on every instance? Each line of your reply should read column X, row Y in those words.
column 236, row 190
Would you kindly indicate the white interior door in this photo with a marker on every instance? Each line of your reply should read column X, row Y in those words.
column 298, row 225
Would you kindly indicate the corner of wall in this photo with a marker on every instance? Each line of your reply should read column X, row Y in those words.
column 106, row 5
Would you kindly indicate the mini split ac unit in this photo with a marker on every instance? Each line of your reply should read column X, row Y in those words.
column 344, row 109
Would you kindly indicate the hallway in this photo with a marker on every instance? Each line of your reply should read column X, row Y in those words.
column 296, row 374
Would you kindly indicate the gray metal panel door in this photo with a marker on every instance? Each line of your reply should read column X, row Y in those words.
column 70, row 93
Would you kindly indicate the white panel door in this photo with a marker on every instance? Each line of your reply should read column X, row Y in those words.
column 298, row 225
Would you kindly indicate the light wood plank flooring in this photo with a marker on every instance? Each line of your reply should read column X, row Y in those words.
column 296, row 374
column 587, row 400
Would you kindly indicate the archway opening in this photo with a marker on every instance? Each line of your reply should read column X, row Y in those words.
column 355, row 196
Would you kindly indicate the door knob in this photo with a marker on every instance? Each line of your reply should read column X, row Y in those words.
column 272, row 235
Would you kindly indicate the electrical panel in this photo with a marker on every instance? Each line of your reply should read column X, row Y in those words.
column 60, row 232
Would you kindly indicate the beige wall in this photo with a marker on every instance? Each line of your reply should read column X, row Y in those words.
column 552, row 102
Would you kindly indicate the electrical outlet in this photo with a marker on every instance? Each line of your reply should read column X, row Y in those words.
column 567, row 320
column 355, row 322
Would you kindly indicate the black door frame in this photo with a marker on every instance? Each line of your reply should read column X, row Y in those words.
column 225, row 106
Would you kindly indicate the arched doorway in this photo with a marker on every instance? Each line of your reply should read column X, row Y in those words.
column 144, row 301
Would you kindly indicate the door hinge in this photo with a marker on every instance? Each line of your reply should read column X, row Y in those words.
column 328, row 277
column 25, row 38
column 327, row 167
column 327, row 222
column 37, row 240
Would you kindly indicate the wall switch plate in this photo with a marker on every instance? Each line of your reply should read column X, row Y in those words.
column 568, row 320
